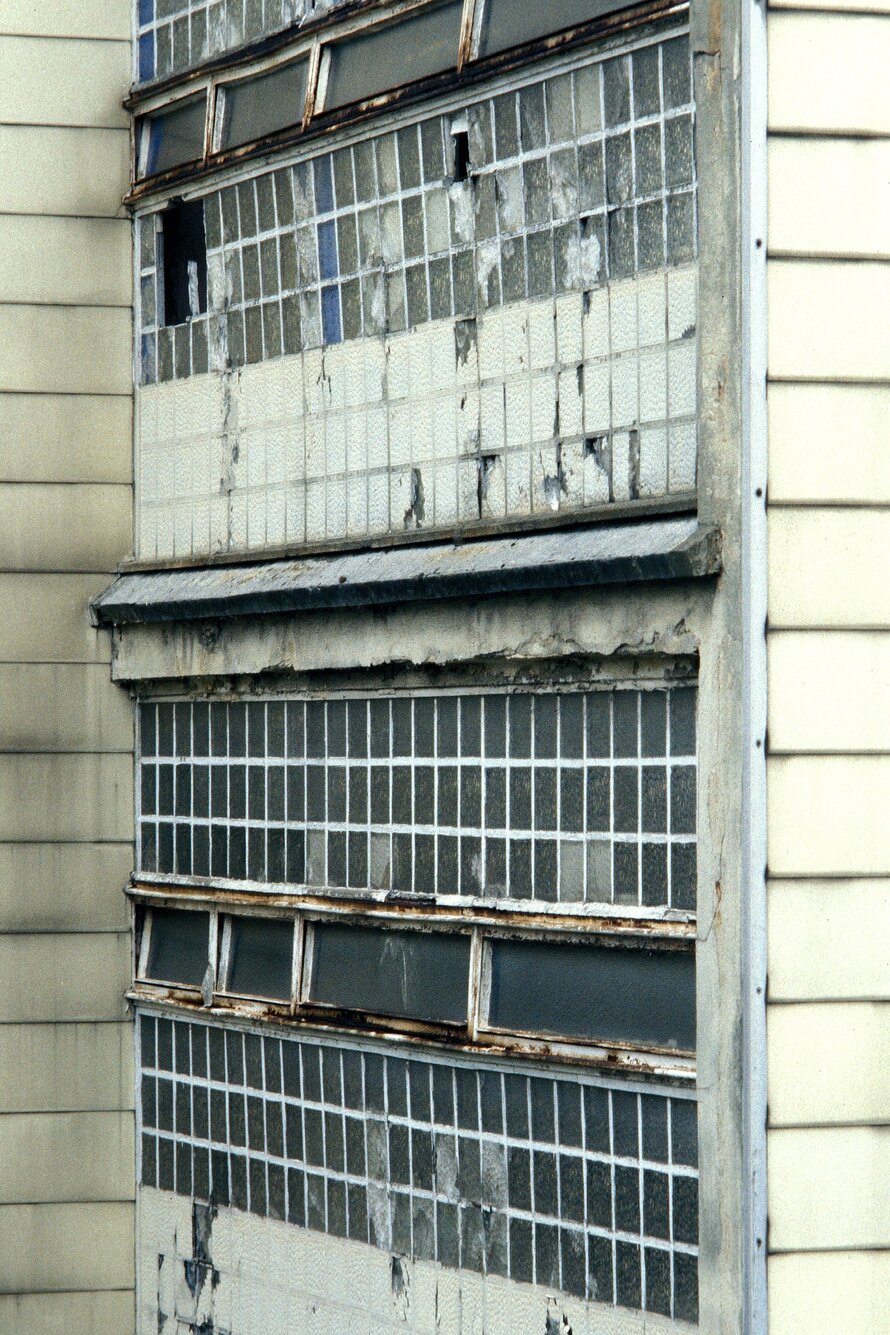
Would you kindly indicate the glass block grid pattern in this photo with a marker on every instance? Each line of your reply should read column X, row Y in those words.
column 547, row 797
column 563, row 1183
column 573, row 181
column 174, row 35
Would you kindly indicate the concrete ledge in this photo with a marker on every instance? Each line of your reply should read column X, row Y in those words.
column 666, row 549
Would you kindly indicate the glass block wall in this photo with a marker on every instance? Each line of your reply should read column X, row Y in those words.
column 388, row 348
column 560, row 1181
column 174, row 35
column 571, row 797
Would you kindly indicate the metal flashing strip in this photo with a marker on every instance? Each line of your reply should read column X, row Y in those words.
column 599, row 554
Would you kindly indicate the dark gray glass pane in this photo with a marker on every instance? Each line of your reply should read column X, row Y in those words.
column 177, row 951
column 512, row 22
column 261, row 106
column 261, row 955
column 596, row 992
column 415, row 48
column 175, row 137
column 419, row 975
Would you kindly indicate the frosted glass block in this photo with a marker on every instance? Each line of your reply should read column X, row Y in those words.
column 653, row 385
column 625, row 398
column 569, row 328
column 653, row 461
column 681, row 379
column 623, row 316
column 541, row 335
column 335, row 522
column 651, row 306
column 682, row 456
column 543, row 405
column 570, row 404
column 518, row 411
column 597, row 410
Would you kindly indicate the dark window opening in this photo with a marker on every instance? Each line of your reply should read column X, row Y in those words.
column 184, row 248
column 461, row 141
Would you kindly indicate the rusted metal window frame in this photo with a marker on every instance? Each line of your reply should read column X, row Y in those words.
column 316, row 43
column 482, row 928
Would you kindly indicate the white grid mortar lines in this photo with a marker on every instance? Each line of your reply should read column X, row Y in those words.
column 574, row 180
column 566, row 1183
column 565, row 797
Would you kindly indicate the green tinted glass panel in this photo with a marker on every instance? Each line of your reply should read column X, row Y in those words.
column 262, row 106
column 260, row 960
column 177, row 951
column 175, row 137
column 401, row 53
column 415, row 975
column 509, row 23
column 601, row 993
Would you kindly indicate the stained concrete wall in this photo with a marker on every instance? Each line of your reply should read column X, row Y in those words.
column 829, row 670
column 66, row 736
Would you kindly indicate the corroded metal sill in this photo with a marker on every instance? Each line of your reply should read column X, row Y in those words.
column 615, row 1060
column 608, row 929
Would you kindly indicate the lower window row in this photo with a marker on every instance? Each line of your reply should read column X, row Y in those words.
column 597, row 990
column 564, row 1181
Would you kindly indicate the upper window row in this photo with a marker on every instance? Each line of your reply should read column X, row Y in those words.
column 360, row 68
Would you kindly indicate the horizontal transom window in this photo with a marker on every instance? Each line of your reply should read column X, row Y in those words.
column 590, row 990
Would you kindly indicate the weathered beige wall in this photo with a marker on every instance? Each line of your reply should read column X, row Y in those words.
column 66, row 734
column 829, row 667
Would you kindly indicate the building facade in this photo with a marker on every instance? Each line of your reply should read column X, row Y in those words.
column 470, row 349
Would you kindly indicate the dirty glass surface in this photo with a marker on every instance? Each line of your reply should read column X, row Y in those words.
column 415, row 48
column 594, row 992
column 508, row 23
column 175, row 136
column 257, row 107
column 417, row 975
column 177, row 951
column 551, row 1180
column 261, row 958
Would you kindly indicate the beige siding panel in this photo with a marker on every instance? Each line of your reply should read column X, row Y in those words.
column 55, row 1157
column 828, row 940
column 65, row 349
column 63, row 978
column 829, row 1064
column 64, row 887
column 828, row 442
column 53, row 81
column 829, row 1188
column 60, row 526
column 45, row 618
column 63, row 707
column 67, row 18
column 829, row 1294
column 65, row 261
column 828, row 815
column 69, row 797
column 827, row 568
column 828, row 72
column 51, row 1248
column 68, row 1313
column 829, row 691
column 829, row 196
column 65, row 1067
column 829, row 320
column 46, row 169
column 65, row 437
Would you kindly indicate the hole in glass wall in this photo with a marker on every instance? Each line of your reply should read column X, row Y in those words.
column 601, row 993
column 414, row 975
column 178, row 947
column 260, row 960
column 261, row 106
column 460, row 139
column 184, row 249
column 173, row 137
column 507, row 23
column 415, row 48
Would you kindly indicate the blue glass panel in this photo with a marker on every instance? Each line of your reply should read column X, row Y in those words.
column 146, row 12
column 330, row 315
column 327, row 250
column 146, row 57
column 324, row 185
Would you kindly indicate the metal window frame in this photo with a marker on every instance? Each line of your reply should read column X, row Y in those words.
column 475, row 1032
column 317, row 41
